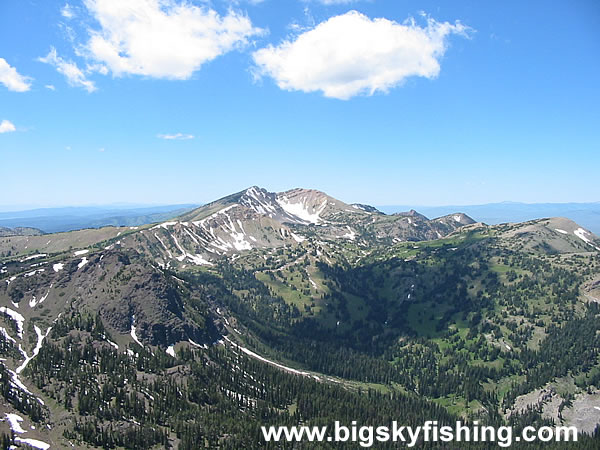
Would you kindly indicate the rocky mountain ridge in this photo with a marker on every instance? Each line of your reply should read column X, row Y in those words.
column 258, row 219
column 300, row 263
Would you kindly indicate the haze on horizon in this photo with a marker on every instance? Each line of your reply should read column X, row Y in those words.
column 140, row 204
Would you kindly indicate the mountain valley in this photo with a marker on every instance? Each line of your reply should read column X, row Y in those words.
column 295, row 307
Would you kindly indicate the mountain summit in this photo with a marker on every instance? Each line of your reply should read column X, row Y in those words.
column 255, row 219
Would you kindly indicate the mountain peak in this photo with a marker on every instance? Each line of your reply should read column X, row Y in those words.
column 258, row 219
column 259, row 200
column 411, row 213
column 458, row 218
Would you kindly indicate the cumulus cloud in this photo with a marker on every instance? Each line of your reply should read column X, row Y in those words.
column 351, row 54
column 7, row 127
column 162, row 38
column 176, row 136
column 73, row 74
column 10, row 78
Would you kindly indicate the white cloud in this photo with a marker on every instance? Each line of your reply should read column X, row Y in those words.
column 50, row 87
column 7, row 127
column 351, row 54
column 67, row 11
column 176, row 136
column 100, row 68
column 73, row 74
column 162, row 38
column 10, row 78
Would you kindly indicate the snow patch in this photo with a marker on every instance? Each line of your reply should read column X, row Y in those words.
column 171, row 351
column 33, row 302
column 6, row 335
column 83, row 262
column 163, row 244
column 18, row 318
column 199, row 260
column 14, row 421
column 183, row 252
column 33, row 443
column 457, row 218
column 196, row 259
column 197, row 345
column 18, row 384
column 239, row 242
column 58, row 267
column 192, row 235
column 133, row 332
column 32, row 273
column 81, row 252
column 40, row 255
column 36, row 350
column 264, row 205
column 260, row 358
column 239, row 222
column 580, row 233
column 561, row 231
column 301, row 209
column 212, row 216
column 350, row 235
column 164, row 225
column 298, row 239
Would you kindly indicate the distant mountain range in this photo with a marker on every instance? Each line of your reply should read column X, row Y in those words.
column 585, row 214
column 54, row 220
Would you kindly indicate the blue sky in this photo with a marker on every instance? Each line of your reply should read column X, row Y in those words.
column 380, row 102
